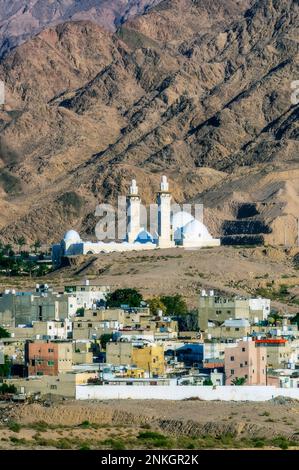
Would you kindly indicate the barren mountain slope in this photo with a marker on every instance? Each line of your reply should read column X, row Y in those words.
column 22, row 19
column 212, row 110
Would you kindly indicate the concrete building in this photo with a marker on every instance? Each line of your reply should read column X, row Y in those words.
column 279, row 352
column 23, row 308
column 63, row 385
column 217, row 309
column 248, row 361
column 230, row 329
column 48, row 358
column 43, row 330
column 143, row 355
column 88, row 294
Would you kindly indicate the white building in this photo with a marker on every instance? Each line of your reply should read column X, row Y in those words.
column 87, row 295
column 179, row 229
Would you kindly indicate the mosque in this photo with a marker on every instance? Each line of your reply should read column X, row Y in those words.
column 174, row 230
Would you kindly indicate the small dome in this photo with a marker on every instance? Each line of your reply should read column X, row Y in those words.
column 72, row 237
column 195, row 230
column 144, row 237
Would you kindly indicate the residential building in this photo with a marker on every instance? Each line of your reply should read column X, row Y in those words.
column 88, row 294
column 279, row 351
column 64, row 385
column 144, row 355
column 246, row 360
column 43, row 330
column 214, row 308
column 191, row 354
column 230, row 329
column 23, row 308
column 48, row 357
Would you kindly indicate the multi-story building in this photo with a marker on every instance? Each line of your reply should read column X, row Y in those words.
column 88, row 294
column 43, row 330
column 280, row 352
column 48, row 357
column 143, row 355
column 246, row 360
column 230, row 329
column 218, row 309
column 23, row 308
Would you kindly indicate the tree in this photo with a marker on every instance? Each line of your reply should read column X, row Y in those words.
column 80, row 312
column 5, row 368
column 5, row 388
column 175, row 305
column 239, row 381
column 37, row 245
column 104, row 339
column 21, row 242
column 4, row 333
column 131, row 297
column 188, row 322
column 156, row 304
column 208, row 382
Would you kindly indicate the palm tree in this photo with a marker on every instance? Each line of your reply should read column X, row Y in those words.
column 36, row 245
column 21, row 242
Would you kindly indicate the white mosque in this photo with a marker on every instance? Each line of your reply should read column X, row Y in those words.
column 174, row 230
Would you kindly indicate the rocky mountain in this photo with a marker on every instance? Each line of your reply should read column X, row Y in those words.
column 197, row 89
column 22, row 19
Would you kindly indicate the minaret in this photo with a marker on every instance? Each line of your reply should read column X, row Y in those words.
column 164, row 213
column 133, row 211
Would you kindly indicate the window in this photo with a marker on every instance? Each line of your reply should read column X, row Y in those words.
column 243, row 349
column 237, row 329
column 232, row 371
column 53, row 387
column 89, row 325
column 246, row 363
column 246, row 376
column 50, row 350
column 95, row 314
column 241, row 365
column 232, row 358
column 50, row 363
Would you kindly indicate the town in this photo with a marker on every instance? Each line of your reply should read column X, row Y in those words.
column 88, row 341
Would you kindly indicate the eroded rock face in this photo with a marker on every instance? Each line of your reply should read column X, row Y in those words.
column 209, row 105
column 20, row 20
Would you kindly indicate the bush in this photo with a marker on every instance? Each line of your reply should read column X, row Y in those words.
column 14, row 426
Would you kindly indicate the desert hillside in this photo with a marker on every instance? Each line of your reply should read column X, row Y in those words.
column 22, row 19
column 203, row 95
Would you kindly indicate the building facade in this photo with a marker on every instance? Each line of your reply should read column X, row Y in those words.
column 247, row 361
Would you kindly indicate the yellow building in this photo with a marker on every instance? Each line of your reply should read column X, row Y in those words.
column 149, row 357
column 146, row 356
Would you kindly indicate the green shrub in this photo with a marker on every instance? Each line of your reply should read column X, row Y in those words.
column 14, row 426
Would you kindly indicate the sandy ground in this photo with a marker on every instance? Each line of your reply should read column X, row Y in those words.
column 123, row 420
column 231, row 270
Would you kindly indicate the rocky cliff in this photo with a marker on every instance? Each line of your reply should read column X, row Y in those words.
column 195, row 89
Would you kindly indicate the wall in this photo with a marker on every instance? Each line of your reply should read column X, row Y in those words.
column 174, row 392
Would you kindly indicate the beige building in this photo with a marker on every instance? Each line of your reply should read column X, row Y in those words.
column 62, row 385
column 248, row 361
column 143, row 355
column 230, row 329
column 218, row 309
column 279, row 352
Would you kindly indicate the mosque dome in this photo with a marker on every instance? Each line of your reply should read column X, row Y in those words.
column 180, row 219
column 144, row 237
column 195, row 230
column 72, row 237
